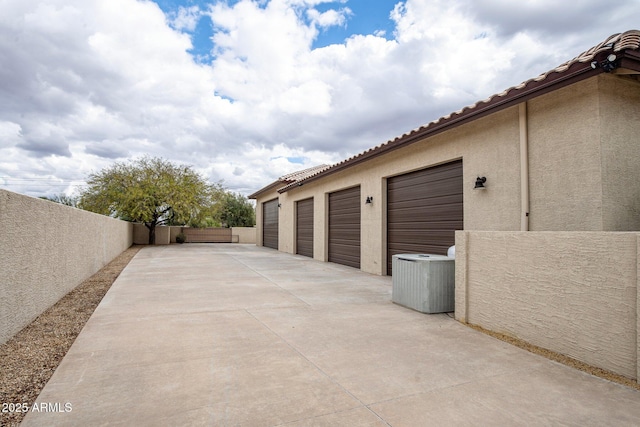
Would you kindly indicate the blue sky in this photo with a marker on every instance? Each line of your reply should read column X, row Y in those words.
column 291, row 84
column 368, row 17
column 365, row 17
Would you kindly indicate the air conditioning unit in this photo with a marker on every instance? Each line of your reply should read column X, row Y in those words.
column 424, row 282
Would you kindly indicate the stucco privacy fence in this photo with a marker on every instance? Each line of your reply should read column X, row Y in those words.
column 46, row 250
column 575, row 293
column 166, row 235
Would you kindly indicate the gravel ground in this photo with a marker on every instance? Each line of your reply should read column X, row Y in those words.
column 28, row 360
column 560, row 358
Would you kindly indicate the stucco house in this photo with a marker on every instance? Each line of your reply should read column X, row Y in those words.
column 538, row 188
column 557, row 152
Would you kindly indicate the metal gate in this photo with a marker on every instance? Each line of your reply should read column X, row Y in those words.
column 207, row 235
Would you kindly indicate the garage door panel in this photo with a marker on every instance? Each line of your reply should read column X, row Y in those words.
column 406, row 237
column 436, row 220
column 403, row 210
column 435, row 193
column 344, row 236
column 304, row 227
column 419, row 178
column 429, row 228
column 424, row 208
column 344, row 227
column 351, row 228
column 347, row 215
column 420, row 248
column 419, row 193
column 344, row 255
column 400, row 209
column 431, row 249
column 270, row 224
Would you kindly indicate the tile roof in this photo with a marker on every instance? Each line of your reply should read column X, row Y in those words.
column 303, row 174
column 569, row 72
column 291, row 179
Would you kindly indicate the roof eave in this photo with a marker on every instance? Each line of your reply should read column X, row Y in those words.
column 574, row 74
column 268, row 188
column 625, row 45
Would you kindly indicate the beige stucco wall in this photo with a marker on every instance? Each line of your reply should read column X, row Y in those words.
column 575, row 293
column 564, row 159
column 265, row 197
column 245, row 234
column 620, row 136
column 173, row 232
column 167, row 235
column 46, row 250
column 485, row 146
column 164, row 235
column 140, row 234
column 584, row 156
column 583, row 168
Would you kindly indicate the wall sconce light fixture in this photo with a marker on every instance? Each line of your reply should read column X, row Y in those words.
column 480, row 183
column 279, row 205
column 369, row 200
column 608, row 65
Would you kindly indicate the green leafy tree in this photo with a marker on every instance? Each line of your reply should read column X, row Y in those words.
column 63, row 199
column 235, row 210
column 150, row 190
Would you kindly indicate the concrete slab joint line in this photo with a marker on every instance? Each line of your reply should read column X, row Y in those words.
column 217, row 335
column 311, row 362
column 257, row 272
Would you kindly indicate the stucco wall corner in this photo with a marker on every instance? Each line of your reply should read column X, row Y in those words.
column 461, row 276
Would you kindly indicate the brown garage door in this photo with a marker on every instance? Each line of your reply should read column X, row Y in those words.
column 344, row 227
column 304, row 227
column 424, row 208
column 270, row 224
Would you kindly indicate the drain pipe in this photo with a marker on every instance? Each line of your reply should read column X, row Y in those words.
column 524, row 168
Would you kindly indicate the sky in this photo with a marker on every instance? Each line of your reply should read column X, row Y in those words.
column 246, row 91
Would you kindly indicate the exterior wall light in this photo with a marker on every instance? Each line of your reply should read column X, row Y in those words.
column 279, row 205
column 480, row 183
column 369, row 200
column 608, row 65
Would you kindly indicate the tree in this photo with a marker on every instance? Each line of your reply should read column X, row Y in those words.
column 149, row 190
column 235, row 210
column 63, row 199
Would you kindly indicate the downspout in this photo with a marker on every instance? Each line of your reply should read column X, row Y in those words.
column 524, row 168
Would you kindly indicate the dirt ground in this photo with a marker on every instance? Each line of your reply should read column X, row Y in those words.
column 28, row 360
column 565, row 360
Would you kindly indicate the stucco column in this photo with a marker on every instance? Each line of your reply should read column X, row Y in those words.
column 461, row 276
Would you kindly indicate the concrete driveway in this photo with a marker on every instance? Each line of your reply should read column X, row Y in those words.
column 236, row 335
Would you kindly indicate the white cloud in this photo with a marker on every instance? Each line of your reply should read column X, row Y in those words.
column 329, row 18
column 313, row 98
column 87, row 82
column 186, row 18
